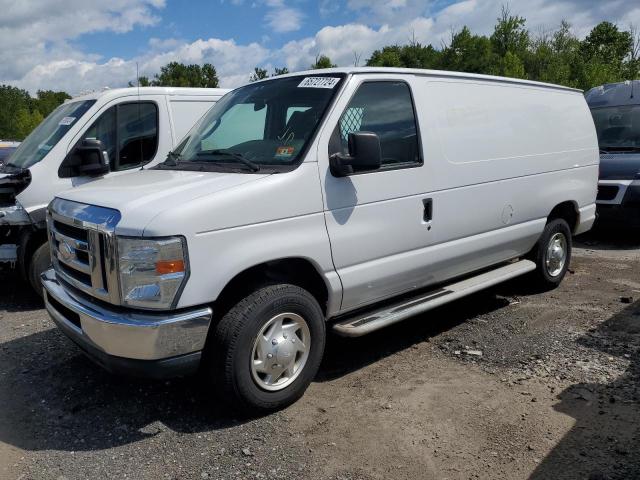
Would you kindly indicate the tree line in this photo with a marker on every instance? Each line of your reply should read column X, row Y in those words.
column 20, row 112
column 607, row 54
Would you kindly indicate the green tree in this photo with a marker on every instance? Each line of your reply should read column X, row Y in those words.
column 47, row 101
column 608, row 43
column 510, row 44
column 389, row 56
column 606, row 52
column 555, row 57
column 512, row 66
column 322, row 61
column 280, row 71
column 176, row 74
column 143, row 81
column 13, row 100
column 468, row 53
column 26, row 121
column 413, row 55
column 510, row 34
column 258, row 74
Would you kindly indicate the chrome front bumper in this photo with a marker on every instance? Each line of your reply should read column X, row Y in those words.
column 125, row 334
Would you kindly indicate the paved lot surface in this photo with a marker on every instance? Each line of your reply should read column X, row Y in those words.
column 505, row 384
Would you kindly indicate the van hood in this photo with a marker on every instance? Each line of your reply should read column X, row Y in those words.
column 620, row 166
column 142, row 195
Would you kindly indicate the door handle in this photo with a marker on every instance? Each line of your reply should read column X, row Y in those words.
column 427, row 214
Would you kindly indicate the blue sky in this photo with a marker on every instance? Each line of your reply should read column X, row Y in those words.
column 78, row 45
column 190, row 20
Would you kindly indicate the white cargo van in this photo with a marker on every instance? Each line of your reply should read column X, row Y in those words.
column 348, row 199
column 135, row 127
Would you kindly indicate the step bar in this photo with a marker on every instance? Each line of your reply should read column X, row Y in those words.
column 362, row 324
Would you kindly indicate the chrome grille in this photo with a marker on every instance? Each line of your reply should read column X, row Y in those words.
column 81, row 238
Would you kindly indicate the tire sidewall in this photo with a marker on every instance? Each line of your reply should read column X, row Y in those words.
column 287, row 300
column 555, row 226
column 39, row 262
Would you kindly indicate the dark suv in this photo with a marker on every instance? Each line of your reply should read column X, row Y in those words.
column 616, row 113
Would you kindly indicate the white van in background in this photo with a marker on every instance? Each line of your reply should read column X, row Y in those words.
column 104, row 134
column 349, row 199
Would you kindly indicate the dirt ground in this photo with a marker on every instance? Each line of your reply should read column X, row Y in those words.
column 504, row 384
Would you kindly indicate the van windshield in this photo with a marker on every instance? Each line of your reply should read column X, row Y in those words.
column 46, row 135
column 258, row 127
column 618, row 127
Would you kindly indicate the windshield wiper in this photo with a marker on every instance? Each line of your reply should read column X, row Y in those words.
column 230, row 154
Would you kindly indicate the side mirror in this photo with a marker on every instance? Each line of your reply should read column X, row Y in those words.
column 93, row 159
column 364, row 155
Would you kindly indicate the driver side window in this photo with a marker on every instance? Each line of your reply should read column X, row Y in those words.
column 386, row 109
column 104, row 129
column 129, row 134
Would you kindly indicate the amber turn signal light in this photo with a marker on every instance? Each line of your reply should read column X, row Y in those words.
column 169, row 266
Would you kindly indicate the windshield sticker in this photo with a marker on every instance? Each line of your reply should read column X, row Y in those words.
column 284, row 151
column 319, row 82
column 67, row 121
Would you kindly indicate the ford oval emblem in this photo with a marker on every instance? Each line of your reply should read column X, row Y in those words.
column 66, row 251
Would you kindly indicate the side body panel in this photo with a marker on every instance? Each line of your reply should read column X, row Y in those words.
column 497, row 158
column 273, row 217
column 185, row 111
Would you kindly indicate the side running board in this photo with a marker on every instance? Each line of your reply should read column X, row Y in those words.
column 362, row 324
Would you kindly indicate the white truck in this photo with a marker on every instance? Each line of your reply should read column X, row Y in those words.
column 136, row 127
column 349, row 199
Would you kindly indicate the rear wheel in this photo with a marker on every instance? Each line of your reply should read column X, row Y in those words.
column 552, row 254
column 40, row 262
column 267, row 349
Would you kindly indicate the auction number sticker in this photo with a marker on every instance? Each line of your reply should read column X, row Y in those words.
column 319, row 82
column 67, row 121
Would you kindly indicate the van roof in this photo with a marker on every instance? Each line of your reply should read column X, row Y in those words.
column 427, row 72
column 614, row 94
column 177, row 91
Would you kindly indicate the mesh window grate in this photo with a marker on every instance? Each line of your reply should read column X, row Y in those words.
column 351, row 121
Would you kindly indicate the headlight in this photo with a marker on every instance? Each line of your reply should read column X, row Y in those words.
column 15, row 215
column 152, row 271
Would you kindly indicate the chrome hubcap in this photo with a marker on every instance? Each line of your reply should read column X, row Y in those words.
column 280, row 351
column 556, row 254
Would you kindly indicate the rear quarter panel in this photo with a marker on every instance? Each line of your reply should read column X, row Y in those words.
column 506, row 155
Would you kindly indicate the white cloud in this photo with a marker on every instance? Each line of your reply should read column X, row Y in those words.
column 342, row 42
column 399, row 23
column 32, row 32
column 233, row 63
column 38, row 38
column 282, row 18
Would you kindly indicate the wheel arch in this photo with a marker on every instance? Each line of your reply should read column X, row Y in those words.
column 299, row 271
column 568, row 211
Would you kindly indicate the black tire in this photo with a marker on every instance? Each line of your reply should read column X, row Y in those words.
column 230, row 347
column 543, row 279
column 40, row 262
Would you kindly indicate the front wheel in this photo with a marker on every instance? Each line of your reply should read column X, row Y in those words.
column 267, row 349
column 39, row 263
column 552, row 254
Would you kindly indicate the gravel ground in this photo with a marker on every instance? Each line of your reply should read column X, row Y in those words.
column 507, row 383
